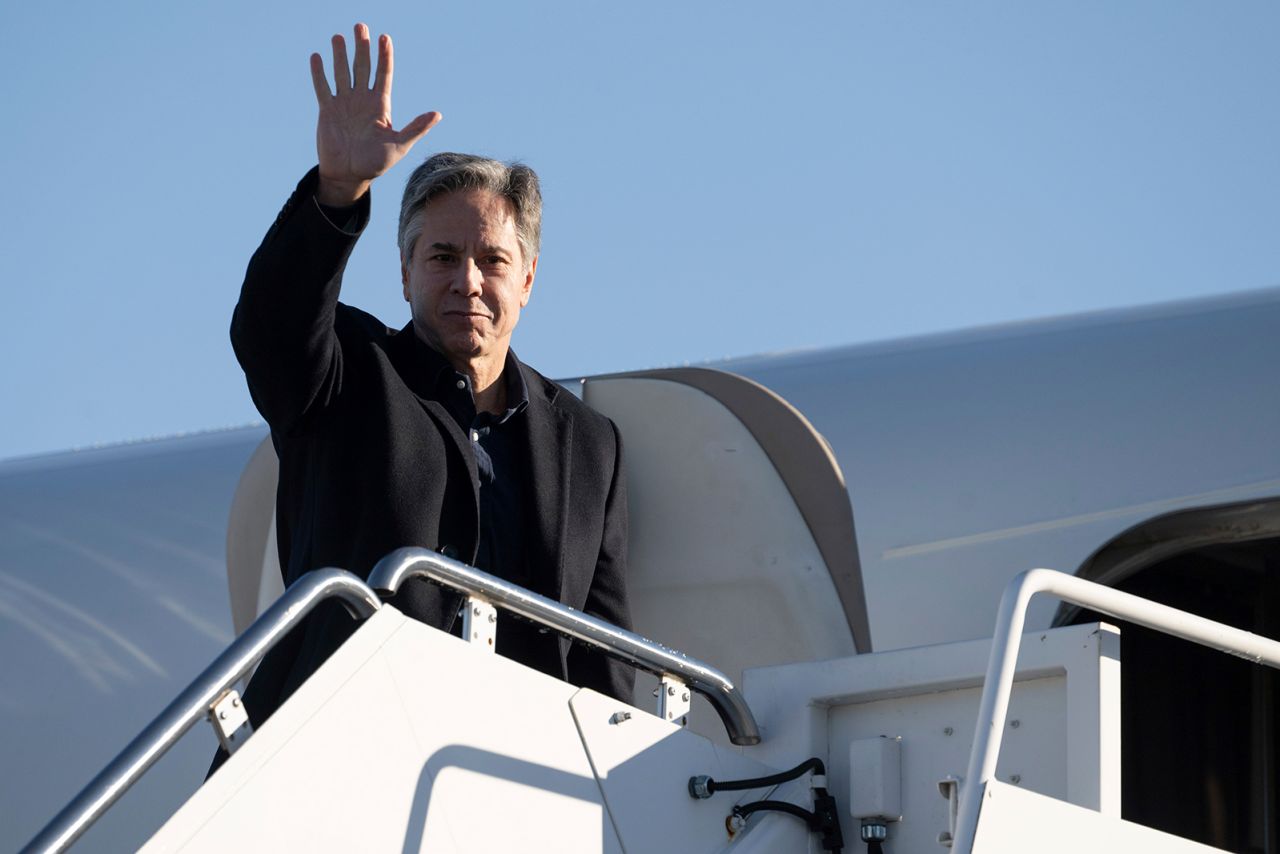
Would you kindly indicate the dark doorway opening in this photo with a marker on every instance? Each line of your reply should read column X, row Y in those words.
column 1200, row 735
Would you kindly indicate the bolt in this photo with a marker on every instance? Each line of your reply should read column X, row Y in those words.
column 671, row 692
column 1015, row 723
column 656, row 691
column 1015, row 779
column 700, row 787
column 222, row 715
column 948, row 731
column 235, row 701
column 874, row 831
column 493, row 618
column 476, row 610
column 685, row 696
column 619, row 717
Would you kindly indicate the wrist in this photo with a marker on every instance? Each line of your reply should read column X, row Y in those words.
column 340, row 194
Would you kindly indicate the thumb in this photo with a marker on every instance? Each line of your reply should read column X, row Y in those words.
column 416, row 129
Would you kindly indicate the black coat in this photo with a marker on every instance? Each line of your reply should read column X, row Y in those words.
column 370, row 462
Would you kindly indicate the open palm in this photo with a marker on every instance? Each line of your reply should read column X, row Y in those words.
column 355, row 138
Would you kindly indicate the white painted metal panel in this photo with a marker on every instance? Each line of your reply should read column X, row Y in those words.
column 936, row 730
column 1016, row 821
column 1065, row 700
column 407, row 739
column 644, row 765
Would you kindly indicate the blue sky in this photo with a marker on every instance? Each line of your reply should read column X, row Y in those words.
column 720, row 179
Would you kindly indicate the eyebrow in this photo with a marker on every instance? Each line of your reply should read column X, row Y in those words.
column 488, row 249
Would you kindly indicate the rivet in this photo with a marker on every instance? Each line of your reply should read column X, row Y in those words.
column 1015, row 723
column 1015, row 778
column 948, row 731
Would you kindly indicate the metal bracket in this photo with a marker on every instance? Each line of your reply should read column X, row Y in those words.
column 230, row 721
column 673, row 700
column 949, row 788
column 480, row 623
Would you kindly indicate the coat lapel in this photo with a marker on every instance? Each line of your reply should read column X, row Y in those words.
column 417, row 364
column 550, row 436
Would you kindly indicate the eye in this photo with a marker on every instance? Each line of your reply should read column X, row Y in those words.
column 495, row 259
column 442, row 258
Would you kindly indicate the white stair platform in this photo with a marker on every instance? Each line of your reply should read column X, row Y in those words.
column 410, row 739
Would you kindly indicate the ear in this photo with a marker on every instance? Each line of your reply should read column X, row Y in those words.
column 527, row 290
column 404, row 279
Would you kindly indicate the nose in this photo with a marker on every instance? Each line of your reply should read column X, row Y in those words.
column 469, row 279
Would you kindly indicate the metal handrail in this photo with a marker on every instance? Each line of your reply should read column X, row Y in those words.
column 192, row 704
column 1004, row 658
column 728, row 702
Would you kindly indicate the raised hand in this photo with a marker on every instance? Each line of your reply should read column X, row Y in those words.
column 355, row 138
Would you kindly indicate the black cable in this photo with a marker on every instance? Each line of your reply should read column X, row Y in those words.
column 873, row 847
column 781, row 806
column 824, row 819
column 714, row 786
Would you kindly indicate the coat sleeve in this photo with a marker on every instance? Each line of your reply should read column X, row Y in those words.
column 607, row 598
column 282, row 330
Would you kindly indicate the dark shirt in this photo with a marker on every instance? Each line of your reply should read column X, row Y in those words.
column 499, row 445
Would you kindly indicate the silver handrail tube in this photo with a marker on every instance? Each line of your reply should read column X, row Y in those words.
column 392, row 570
column 1004, row 658
column 192, row 704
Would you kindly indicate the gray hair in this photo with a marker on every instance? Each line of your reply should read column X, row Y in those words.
column 448, row 172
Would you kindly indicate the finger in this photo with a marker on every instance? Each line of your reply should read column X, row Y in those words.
column 417, row 129
column 318, row 80
column 361, row 80
column 341, row 70
column 382, row 79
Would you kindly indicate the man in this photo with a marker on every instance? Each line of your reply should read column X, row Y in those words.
column 435, row 435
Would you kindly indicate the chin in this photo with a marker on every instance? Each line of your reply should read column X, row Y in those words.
column 465, row 346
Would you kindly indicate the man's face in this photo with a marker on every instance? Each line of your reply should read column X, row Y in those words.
column 467, row 279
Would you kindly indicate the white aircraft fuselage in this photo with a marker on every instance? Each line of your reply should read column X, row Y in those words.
column 1080, row 444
